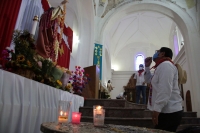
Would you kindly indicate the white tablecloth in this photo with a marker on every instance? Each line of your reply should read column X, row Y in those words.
column 25, row 104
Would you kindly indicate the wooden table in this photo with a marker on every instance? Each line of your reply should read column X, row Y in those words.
column 83, row 127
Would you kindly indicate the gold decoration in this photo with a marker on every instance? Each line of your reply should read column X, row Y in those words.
column 36, row 18
column 61, row 50
column 61, row 22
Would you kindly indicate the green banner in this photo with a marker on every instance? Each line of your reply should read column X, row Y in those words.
column 98, row 57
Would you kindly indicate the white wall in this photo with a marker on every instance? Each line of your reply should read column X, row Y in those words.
column 119, row 79
column 125, row 60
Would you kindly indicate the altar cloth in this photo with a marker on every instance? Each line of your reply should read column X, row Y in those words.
column 25, row 104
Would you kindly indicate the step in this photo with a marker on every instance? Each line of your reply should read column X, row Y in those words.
column 140, row 122
column 186, row 126
column 148, row 113
column 104, row 102
column 115, row 112
column 112, row 103
column 190, row 120
column 135, row 106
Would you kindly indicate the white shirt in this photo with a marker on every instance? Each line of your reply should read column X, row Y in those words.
column 165, row 91
column 140, row 79
column 121, row 95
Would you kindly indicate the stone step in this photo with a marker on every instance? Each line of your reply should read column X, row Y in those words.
column 185, row 127
column 115, row 112
column 126, row 112
column 190, row 120
column 140, row 122
column 112, row 103
column 147, row 114
column 104, row 102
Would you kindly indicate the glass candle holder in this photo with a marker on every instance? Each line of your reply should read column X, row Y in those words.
column 98, row 115
column 63, row 111
column 76, row 117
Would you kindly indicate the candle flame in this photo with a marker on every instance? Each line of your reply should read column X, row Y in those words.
column 61, row 113
column 98, row 107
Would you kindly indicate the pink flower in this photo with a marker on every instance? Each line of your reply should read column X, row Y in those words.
column 40, row 64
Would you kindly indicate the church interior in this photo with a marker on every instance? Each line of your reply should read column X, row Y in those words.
column 79, row 55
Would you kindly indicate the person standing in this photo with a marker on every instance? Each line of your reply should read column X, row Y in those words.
column 164, row 95
column 140, row 85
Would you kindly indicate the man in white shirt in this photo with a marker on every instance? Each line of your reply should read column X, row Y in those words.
column 164, row 94
column 140, row 85
column 122, row 95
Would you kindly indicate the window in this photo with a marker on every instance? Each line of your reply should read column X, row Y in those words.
column 139, row 60
column 176, row 46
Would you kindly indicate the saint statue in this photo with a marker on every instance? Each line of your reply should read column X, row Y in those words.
column 47, row 44
column 109, row 86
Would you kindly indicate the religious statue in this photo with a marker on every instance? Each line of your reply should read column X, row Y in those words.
column 47, row 44
column 109, row 86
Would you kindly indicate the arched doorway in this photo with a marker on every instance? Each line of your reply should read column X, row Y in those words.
column 188, row 101
column 184, row 23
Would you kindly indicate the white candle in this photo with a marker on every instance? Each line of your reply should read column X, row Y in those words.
column 99, row 114
column 35, row 21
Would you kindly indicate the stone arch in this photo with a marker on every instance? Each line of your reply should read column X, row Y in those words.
column 185, row 24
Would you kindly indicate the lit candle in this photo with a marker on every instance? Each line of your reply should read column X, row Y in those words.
column 99, row 115
column 63, row 117
column 76, row 117
column 63, row 111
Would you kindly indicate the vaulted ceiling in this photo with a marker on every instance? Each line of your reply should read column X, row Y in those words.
column 141, row 29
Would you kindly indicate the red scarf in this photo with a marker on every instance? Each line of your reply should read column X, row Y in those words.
column 162, row 60
column 140, row 72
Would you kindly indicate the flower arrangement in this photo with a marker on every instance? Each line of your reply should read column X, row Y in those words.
column 79, row 79
column 26, row 62
column 21, row 60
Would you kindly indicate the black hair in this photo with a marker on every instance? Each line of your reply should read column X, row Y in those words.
column 108, row 81
column 125, row 93
column 168, row 52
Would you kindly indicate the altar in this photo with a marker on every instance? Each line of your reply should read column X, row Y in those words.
column 25, row 104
